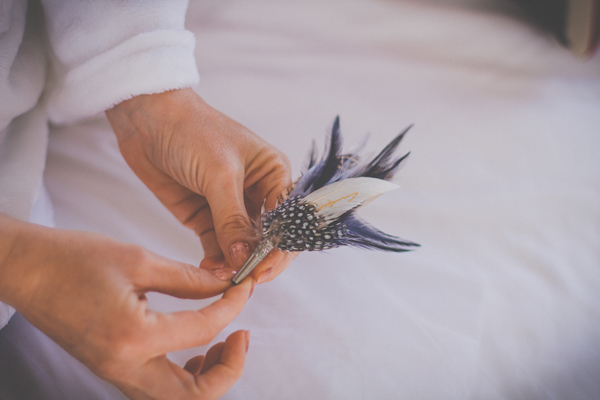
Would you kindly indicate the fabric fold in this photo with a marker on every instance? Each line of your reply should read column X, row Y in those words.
column 147, row 63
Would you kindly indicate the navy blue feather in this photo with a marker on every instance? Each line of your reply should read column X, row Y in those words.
column 330, row 165
column 308, row 231
column 336, row 166
column 383, row 166
column 361, row 234
column 299, row 224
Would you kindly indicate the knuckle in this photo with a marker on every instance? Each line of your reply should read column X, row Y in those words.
column 221, row 165
column 224, row 174
column 224, row 163
column 191, row 276
column 283, row 159
column 280, row 162
column 133, row 263
column 233, row 222
column 139, row 257
column 234, row 373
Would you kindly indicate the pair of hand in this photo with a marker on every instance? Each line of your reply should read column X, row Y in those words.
column 87, row 292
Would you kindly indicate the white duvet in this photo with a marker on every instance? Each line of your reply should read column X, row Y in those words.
column 502, row 190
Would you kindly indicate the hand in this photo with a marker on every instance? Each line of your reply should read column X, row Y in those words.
column 87, row 293
column 212, row 173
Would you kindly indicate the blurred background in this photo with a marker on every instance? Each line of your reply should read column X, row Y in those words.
column 502, row 190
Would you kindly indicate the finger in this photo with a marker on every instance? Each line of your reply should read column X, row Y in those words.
column 213, row 355
column 184, row 329
column 265, row 267
column 273, row 264
column 232, row 224
column 220, row 378
column 210, row 244
column 210, row 263
column 194, row 212
column 194, row 365
column 160, row 274
column 267, row 190
column 281, row 266
column 158, row 378
column 273, row 194
column 253, row 202
column 269, row 177
column 190, row 208
column 219, row 268
column 202, row 223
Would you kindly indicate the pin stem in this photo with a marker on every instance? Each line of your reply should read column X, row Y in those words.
column 257, row 256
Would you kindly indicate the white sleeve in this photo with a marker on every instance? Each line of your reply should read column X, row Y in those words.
column 107, row 51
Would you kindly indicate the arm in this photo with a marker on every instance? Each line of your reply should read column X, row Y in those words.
column 101, row 315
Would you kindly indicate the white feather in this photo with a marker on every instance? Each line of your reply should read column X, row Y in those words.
column 335, row 199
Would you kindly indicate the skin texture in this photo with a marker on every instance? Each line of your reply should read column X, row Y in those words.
column 87, row 291
column 212, row 173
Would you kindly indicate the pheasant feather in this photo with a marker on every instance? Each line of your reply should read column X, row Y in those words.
column 319, row 211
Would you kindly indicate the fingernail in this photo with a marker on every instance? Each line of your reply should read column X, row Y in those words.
column 252, row 288
column 224, row 273
column 239, row 253
column 264, row 275
column 247, row 340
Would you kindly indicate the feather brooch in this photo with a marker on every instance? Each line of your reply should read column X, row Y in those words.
column 318, row 213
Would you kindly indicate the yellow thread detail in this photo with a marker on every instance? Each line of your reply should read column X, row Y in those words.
column 331, row 203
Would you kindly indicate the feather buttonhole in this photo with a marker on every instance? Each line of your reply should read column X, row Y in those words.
column 318, row 213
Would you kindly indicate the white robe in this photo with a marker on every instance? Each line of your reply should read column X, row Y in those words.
column 67, row 60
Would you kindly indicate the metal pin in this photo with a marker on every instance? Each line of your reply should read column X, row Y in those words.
column 255, row 258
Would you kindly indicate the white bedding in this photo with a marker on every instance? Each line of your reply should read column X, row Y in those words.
column 502, row 190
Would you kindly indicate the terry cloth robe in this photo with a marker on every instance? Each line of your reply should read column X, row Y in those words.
column 65, row 60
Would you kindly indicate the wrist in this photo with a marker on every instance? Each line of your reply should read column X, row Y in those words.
column 151, row 115
column 146, row 125
column 18, row 252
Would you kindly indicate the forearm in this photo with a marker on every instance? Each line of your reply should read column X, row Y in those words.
column 143, row 124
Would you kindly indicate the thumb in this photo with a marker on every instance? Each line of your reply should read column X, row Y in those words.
column 232, row 224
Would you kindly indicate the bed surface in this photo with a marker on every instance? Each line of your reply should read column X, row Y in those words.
column 502, row 190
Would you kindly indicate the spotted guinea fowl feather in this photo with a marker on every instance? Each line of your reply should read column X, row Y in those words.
column 319, row 212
